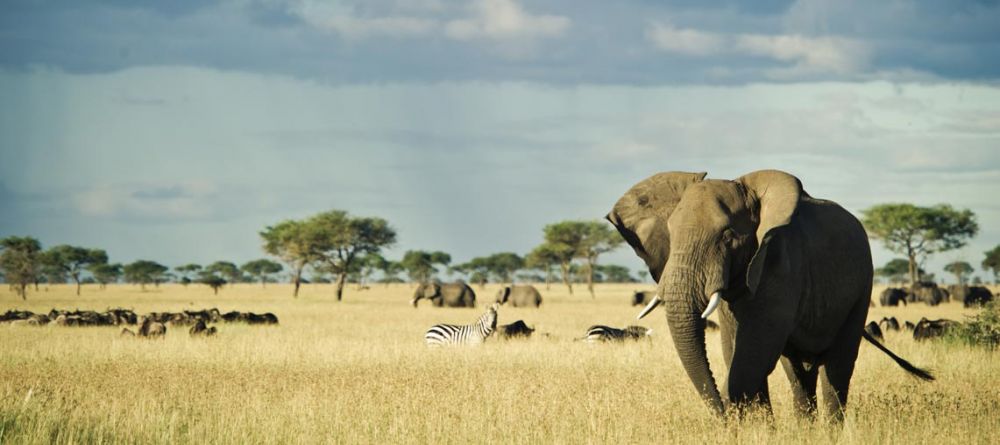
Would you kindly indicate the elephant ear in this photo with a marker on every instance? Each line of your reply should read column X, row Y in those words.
column 432, row 290
column 641, row 214
column 777, row 195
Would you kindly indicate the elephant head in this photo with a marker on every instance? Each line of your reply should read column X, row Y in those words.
column 426, row 290
column 503, row 295
column 706, row 241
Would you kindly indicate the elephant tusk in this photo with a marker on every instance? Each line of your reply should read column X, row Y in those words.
column 712, row 304
column 649, row 307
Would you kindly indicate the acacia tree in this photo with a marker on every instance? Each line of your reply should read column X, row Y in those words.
column 261, row 269
column 71, row 261
column 210, row 277
column 19, row 259
column 226, row 270
column 919, row 231
column 992, row 262
column 542, row 258
column 477, row 269
column 613, row 273
column 960, row 269
column 189, row 272
column 367, row 266
column 504, row 265
column 421, row 266
column 289, row 240
column 597, row 239
column 338, row 239
column 143, row 272
column 562, row 240
column 390, row 272
column 105, row 273
column 896, row 270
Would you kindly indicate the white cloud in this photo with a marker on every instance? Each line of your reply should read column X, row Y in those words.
column 503, row 20
column 821, row 54
column 685, row 41
column 149, row 202
column 332, row 17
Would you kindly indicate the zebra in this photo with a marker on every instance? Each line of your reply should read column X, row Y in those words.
column 598, row 333
column 473, row 334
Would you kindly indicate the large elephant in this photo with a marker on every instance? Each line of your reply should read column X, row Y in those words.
column 524, row 295
column 790, row 274
column 971, row 296
column 928, row 292
column 450, row 294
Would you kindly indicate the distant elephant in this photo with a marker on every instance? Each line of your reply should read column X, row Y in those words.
column 971, row 296
column 874, row 330
column 892, row 297
column 927, row 329
column 929, row 293
column 642, row 297
column 522, row 295
column 445, row 295
column 790, row 274
column 517, row 329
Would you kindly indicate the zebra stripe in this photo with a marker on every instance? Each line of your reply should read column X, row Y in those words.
column 473, row 334
column 606, row 333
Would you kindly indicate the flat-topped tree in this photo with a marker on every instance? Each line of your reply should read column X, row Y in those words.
column 919, row 231
column 226, row 270
column 543, row 258
column 105, row 273
column 143, row 272
column 992, row 262
column 211, row 278
column 290, row 240
column 64, row 261
column 585, row 240
column 613, row 273
column 21, row 262
column 337, row 240
column 504, row 265
column 562, row 240
column 961, row 270
column 188, row 273
column 261, row 269
column 897, row 270
column 421, row 266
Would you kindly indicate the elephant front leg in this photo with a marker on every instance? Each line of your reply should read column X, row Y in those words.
column 803, row 383
column 759, row 344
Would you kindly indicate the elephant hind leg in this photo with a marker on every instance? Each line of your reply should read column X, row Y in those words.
column 803, row 383
column 838, row 362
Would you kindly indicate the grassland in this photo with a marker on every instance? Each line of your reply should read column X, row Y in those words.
column 357, row 372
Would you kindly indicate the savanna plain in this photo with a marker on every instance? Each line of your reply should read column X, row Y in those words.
column 357, row 371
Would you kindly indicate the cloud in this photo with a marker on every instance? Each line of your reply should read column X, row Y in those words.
column 684, row 41
column 504, row 20
column 823, row 54
column 170, row 203
column 335, row 18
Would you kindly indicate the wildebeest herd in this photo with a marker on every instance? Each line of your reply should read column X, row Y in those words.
column 922, row 330
column 932, row 295
column 152, row 325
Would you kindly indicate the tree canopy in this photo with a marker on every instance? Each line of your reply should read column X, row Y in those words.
column 261, row 269
column 421, row 265
column 105, row 273
column 338, row 239
column 19, row 259
column 143, row 272
column 71, row 261
column 585, row 240
column 992, row 262
column 919, row 231
column 290, row 241
column 961, row 270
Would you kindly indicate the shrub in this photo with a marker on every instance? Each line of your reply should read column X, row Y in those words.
column 981, row 330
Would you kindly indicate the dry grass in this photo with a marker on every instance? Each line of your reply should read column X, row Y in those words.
column 357, row 372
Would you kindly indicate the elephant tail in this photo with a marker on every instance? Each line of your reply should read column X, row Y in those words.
column 925, row 375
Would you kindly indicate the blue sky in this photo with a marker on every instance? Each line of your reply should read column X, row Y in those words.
column 175, row 131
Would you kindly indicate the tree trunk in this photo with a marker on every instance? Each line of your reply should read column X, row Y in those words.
column 263, row 282
column 215, row 290
column 548, row 276
column 341, row 279
column 297, row 280
column 565, row 276
column 23, row 291
column 590, row 276
column 913, row 270
column 77, row 285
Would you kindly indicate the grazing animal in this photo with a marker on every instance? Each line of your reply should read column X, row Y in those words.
column 201, row 330
column 892, row 297
column 909, row 326
column 473, row 334
column 872, row 329
column 929, row 293
column 603, row 333
column 517, row 329
column 519, row 296
column 765, row 253
column 889, row 324
column 151, row 329
column 971, row 296
column 448, row 295
column 927, row 329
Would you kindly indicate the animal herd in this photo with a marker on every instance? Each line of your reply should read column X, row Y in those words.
column 151, row 325
column 922, row 330
column 932, row 295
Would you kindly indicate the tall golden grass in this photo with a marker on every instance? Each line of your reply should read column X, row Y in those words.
column 357, row 372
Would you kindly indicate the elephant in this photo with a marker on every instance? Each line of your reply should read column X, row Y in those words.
column 892, row 297
column 791, row 276
column 642, row 297
column 517, row 329
column 451, row 294
column 519, row 296
column 874, row 330
column 928, row 292
column 971, row 296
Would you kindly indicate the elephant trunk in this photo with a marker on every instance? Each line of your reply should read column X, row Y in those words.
column 683, row 293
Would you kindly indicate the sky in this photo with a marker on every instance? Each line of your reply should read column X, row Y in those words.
column 176, row 131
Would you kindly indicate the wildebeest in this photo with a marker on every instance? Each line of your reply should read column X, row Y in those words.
column 971, row 296
column 892, row 297
column 872, row 329
column 889, row 324
column 200, row 329
column 150, row 328
column 517, row 329
column 926, row 329
column 642, row 297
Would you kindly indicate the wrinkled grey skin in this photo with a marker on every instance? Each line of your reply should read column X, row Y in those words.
column 521, row 295
column 445, row 295
column 794, row 274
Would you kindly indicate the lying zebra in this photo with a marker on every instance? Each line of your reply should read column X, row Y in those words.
column 473, row 334
column 598, row 333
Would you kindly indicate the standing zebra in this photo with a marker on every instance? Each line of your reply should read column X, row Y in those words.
column 473, row 334
column 606, row 333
